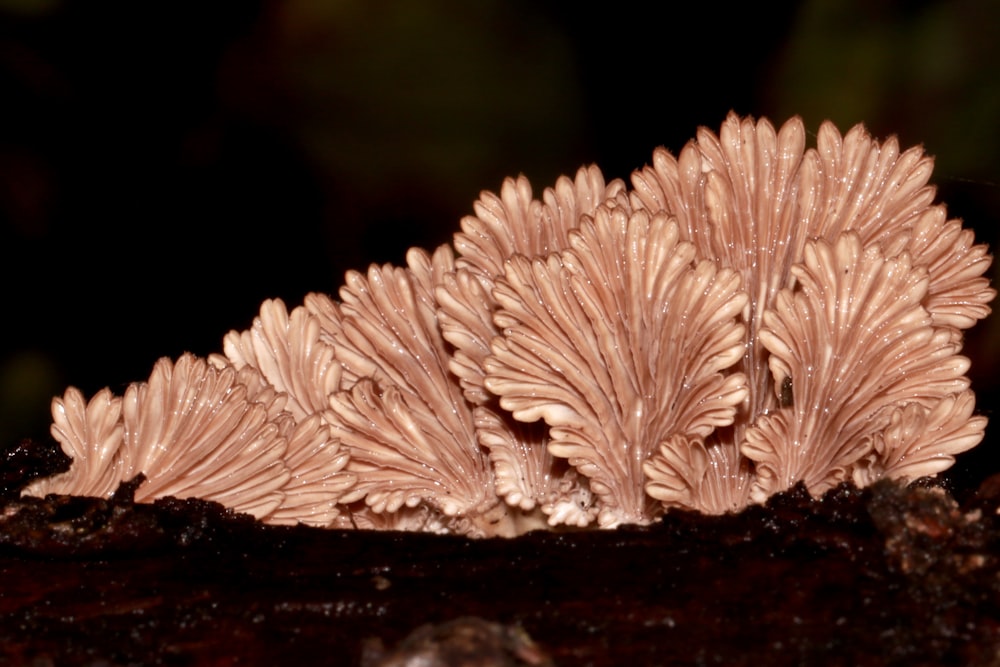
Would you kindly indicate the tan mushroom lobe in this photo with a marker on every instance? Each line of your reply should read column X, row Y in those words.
column 750, row 314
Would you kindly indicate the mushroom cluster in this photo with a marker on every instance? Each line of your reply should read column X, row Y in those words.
column 750, row 314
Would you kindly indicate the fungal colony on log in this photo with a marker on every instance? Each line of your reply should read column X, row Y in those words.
column 747, row 315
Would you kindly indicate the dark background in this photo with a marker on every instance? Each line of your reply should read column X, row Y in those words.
column 166, row 166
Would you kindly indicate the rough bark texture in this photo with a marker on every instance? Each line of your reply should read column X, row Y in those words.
column 886, row 575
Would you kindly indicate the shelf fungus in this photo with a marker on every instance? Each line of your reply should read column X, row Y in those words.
column 746, row 315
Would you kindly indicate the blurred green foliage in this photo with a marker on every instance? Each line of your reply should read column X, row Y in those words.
column 927, row 71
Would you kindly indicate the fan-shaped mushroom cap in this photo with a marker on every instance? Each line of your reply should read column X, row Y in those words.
column 752, row 314
column 618, row 343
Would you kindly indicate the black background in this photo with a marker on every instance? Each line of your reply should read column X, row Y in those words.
column 166, row 166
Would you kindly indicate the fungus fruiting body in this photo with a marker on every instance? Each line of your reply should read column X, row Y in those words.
column 748, row 315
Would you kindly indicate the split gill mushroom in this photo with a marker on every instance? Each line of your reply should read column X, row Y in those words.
column 745, row 316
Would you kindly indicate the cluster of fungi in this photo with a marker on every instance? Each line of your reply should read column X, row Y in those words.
column 747, row 315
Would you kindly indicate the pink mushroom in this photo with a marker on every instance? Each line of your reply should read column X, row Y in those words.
column 751, row 314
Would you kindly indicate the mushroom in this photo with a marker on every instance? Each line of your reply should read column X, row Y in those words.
column 409, row 430
column 754, row 199
column 618, row 343
column 752, row 314
column 858, row 347
column 91, row 434
column 283, row 354
column 287, row 350
column 527, row 475
column 191, row 430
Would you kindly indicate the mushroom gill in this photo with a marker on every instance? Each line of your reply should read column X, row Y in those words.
column 527, row 475
column 750, row 314
column 618, row 342
column 405, row 421
column 857, row 346
column 190, row 429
